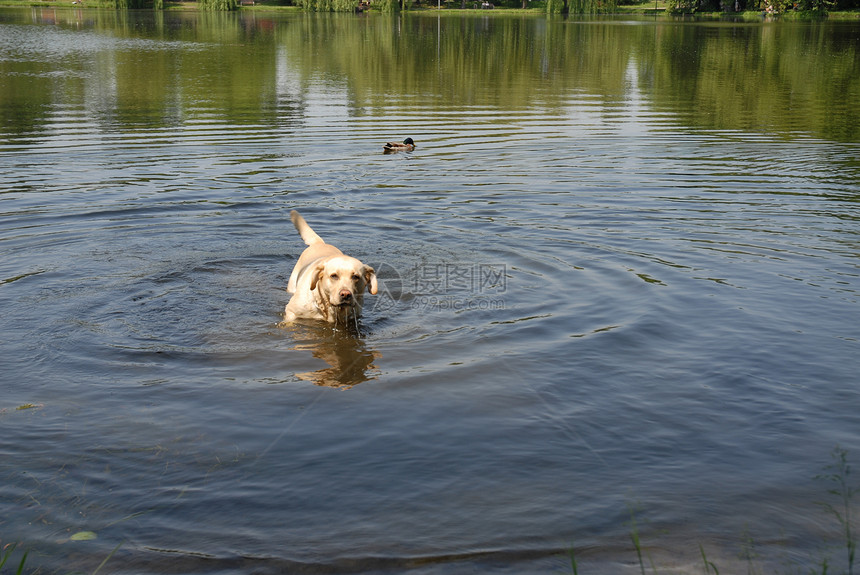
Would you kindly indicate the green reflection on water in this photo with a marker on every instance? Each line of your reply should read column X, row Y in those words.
column 140, row 70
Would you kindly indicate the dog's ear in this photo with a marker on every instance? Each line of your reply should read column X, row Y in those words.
column 317, row 275
column 370, row 278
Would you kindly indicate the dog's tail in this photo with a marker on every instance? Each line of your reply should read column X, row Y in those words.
column 308, row 235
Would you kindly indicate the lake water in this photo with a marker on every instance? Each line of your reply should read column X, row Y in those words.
column 619, row 282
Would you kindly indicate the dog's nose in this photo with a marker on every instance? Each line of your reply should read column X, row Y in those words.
column 345, row 295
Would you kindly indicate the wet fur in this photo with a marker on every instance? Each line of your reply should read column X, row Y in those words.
column 326, row 284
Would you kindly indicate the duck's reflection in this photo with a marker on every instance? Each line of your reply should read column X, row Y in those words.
column 349, row 360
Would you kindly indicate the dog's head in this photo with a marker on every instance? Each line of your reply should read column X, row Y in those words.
column 342, row 280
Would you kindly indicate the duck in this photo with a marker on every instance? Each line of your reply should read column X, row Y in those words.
column 406, row 146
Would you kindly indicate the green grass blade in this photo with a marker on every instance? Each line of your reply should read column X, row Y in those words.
column 106, row 559
column 21, row 565
column 708, row 564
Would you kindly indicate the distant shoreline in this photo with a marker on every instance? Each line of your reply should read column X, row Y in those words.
column 643, row 9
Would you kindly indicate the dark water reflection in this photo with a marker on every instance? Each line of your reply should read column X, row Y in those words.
column 620, row 270
column 348, row 360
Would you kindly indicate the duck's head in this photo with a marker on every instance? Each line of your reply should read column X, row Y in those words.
column 409, row 141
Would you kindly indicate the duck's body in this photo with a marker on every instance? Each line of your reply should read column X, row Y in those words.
column 406, row 145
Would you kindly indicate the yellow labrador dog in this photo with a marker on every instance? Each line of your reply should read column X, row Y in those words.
column 326, row 284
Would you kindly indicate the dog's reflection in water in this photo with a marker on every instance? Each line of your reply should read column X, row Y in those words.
column 349, row 360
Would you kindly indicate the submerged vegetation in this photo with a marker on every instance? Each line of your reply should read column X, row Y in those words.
column 6, row 552
column 839, row 474
column 840, row 507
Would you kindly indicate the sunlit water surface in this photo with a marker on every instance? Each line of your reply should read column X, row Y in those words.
column 600, row 297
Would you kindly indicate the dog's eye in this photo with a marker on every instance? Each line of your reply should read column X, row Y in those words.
column 356, row 277
column 333, row 276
